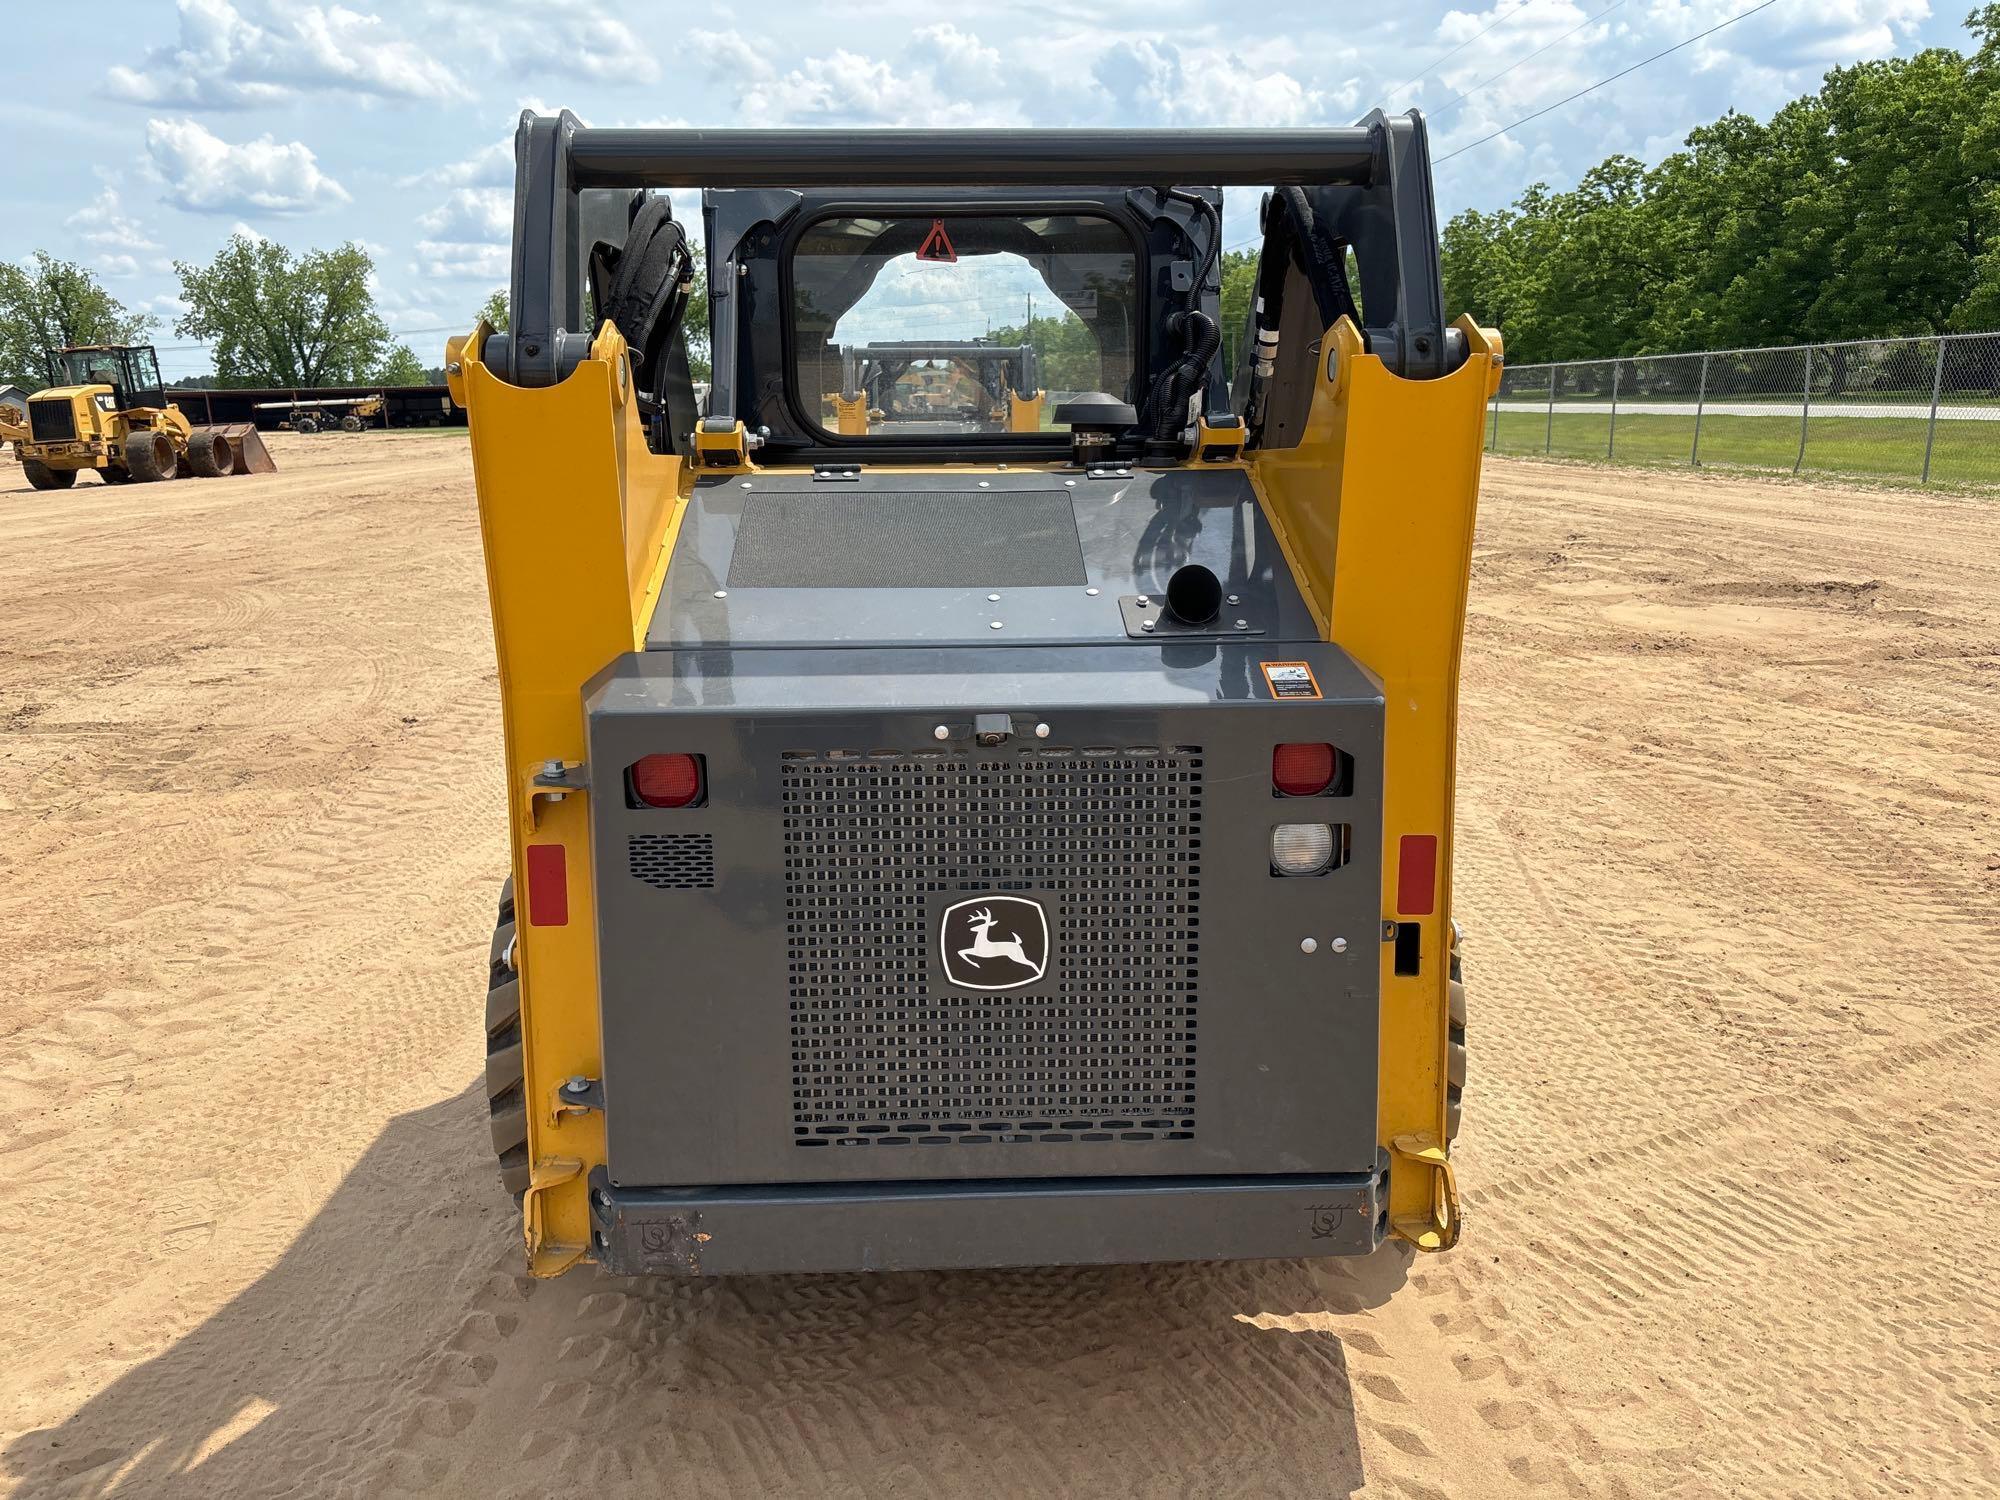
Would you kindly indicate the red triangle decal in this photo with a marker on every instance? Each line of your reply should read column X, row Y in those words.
column 937, row 245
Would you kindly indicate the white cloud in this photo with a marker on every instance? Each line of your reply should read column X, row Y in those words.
column 221, row 58
column 479, row 215
column 103, row 222
column 205, row 174
column 118, row 265
column 553, row 39
column 490, row 166
column 461, row 261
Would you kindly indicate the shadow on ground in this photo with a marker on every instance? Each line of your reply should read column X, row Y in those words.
column 394, row 1346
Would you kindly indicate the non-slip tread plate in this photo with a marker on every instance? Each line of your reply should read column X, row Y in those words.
column 828, row 539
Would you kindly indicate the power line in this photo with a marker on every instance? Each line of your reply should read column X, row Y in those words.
column 1586, row 21
column 1442, row 56
column 1624, row 72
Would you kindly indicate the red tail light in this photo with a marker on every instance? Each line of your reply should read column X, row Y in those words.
column 1302, row 770
column 666, row 780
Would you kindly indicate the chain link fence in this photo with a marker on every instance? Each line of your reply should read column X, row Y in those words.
column 1915, row 410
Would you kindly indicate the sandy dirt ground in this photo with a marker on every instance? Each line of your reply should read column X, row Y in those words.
column 1729, row 867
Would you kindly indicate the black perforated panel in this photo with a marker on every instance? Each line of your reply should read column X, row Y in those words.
column 672, row 861
column 1102, row 1048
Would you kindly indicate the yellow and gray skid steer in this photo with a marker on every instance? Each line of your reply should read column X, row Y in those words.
column 943, row 842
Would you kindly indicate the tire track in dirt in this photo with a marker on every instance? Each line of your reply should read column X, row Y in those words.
column 1729, row 869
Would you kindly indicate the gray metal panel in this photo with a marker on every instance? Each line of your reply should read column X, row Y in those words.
column 695, row 983
column 900, row 1227
column 1135, row 531
column 874, row 538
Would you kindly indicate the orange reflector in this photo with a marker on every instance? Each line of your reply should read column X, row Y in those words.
column 1302, row 770
column 1416, row 875
column 548, row 886
column 667, row 780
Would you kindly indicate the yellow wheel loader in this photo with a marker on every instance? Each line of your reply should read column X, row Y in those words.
column 948, row 844
column 107, row 411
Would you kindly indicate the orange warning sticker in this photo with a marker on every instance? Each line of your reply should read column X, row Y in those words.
column 1291, row 679
column 937, row 245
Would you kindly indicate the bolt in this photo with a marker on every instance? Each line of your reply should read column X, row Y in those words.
column 1143, row 601
column 577, row 1084
column 722, row 593
column 1340, row 945
column 552, row 768
column 995, row 625
column 1092, row 592
column 1235, row 599
column 993, row 598
column 1041, row 731
column 984, row 485
column 1308, row 945
column 746, row 484
column 1069, row 484
column 941, row 733
column 1001, row 467
column 1146, row 625
column 454, row 368
column 1242, row 624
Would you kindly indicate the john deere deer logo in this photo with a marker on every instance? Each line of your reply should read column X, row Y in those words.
column 994, row 942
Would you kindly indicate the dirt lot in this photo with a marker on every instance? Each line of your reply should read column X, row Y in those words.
column 1730, row 869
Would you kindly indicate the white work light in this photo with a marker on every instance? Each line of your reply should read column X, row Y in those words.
column 1301, row 848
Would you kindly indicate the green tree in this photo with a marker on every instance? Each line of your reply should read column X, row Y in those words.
column 494, row 310
column 1868, row 208
column 275, row 318
column 53, row 303
column 1239, row 288
column 400, row 366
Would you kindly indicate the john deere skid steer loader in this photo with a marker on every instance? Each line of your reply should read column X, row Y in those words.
column 975, row 843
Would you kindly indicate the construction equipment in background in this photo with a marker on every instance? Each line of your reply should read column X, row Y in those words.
column 941, row 387
column 943, row 848
column 107, row 411
column 328, row 414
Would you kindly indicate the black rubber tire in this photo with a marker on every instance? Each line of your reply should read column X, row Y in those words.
column 1455, row 1052
column 42, row 477
column 305, row 426
column 506, row 1103
column 351, row 424
column 112, row 474
column 149, row 455
column 210, row 456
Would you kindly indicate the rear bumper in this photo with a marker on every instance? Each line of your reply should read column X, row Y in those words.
column 903, row 1226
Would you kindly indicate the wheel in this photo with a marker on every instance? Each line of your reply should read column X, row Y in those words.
column 114, row 475
column 351, row 424
column 305, row 426
column 506, row 1104
column 42, row 477
column 150, row 455
column 210, row 456
column 1455, row 1054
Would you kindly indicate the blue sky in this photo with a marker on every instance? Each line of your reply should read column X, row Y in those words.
column 389, row 123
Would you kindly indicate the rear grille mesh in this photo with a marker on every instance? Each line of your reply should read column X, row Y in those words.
column 1101, row 1049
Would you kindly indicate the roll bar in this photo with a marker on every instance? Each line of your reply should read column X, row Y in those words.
column 1373, row 182
column 970, row 158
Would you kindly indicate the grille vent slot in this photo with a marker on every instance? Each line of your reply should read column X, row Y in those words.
column 672, row 861
column 1101, row 1050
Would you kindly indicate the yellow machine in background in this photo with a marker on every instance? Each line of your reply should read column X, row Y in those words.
column 871, row 791
column 108, row 413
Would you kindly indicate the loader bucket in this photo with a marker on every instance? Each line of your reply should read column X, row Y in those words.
column 252, row 457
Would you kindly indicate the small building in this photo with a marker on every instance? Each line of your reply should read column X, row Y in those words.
column 14, row 396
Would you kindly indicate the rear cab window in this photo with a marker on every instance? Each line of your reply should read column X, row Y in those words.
column 922, row 326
